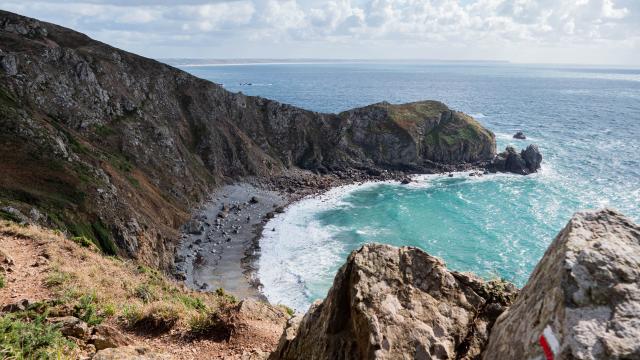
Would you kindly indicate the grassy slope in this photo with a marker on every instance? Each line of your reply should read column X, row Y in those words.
column 73, row 277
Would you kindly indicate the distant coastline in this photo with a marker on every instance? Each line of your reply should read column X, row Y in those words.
column 195, row 62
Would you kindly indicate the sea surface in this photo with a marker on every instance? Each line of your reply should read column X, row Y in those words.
column 586, row 121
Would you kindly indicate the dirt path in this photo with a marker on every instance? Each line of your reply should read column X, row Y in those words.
column 26, row 268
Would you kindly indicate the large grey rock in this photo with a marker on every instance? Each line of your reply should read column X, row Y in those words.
column 393, row 303
column 586, row 290
column 532, row 157
column 71, row 326
column 524, row 163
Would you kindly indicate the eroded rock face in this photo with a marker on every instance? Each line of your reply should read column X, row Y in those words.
column 388, row 302
column 586, row 290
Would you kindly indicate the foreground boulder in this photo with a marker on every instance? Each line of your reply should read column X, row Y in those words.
column 389, row 302
column 583, row 298
column 526, row 162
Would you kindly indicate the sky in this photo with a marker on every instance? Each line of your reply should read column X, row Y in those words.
column 523, row 31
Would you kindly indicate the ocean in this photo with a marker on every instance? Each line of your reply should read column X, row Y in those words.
column 586, row 121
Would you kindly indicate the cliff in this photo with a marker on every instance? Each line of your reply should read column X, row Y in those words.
column 119, row 148
column 581, row 302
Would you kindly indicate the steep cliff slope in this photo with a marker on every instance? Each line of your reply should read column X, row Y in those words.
column 118, row 148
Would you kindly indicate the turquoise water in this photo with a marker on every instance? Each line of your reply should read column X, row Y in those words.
column 585, row 120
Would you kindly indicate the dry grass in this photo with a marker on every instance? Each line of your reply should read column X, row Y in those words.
column 99, row 287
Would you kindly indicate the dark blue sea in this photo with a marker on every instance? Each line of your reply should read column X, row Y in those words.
column 586, row 121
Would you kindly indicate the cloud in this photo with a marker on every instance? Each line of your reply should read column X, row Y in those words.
column 375, row 27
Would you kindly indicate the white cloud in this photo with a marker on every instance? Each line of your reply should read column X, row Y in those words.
column 339, row 28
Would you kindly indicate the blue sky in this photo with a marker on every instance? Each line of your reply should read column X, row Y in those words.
column 531, row 31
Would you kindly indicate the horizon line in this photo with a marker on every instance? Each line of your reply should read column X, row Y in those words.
column 206, row 61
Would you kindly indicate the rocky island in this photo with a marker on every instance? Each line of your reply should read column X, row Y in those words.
column 118, row 154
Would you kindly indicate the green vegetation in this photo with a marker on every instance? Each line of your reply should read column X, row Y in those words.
column 201, row 323
column 192, row 302
column 96, row 233
column 220, row 292
column 82, row 241
column 5, row 215
column 2, row 281
column 56, row 278
column 104, row 130
column 86, row 310
column 144, row 293
column 133, row 181
column 104, row 238
column 25, row 337
column 121, row 163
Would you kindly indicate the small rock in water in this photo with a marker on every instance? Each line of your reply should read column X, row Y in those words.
column 450, row 174
column 254, row 200
column 519, row 135
column 405, row 181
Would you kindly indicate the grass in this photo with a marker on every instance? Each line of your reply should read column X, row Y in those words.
column 2, row 281
column 83, row 241
column 25, row 337
column 99, row 287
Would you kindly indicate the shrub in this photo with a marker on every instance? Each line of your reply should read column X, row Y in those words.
column 86, row 310
column 228, row 297
column 132, row 314
column 192, row 302
column 218, row 325
column 144, row 293
column 109, row 310
column 26, row 338
column 158, row 317
column 2, row 281
column 82, row 241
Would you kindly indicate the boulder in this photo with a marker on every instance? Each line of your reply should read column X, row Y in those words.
column 105, row 336
column 195, row 227
column 130, row 353
column 523, row 163
column 582, row 301
column 405, row 181
column 392, row 303
column 532, row 157
column 519, row 135
column 71, row 326
column 17, row 306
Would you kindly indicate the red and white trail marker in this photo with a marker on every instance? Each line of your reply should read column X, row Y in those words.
column 549, row 343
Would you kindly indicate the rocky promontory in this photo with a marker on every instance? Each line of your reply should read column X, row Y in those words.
column 581, row 302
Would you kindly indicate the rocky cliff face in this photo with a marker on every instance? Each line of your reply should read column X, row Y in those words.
column 118, row 148
column 583, row 298
column 394, row 303
column 581, row 302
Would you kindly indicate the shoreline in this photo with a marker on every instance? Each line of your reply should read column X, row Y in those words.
column 222, row 251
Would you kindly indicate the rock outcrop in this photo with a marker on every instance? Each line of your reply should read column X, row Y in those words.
column 390, row 303
column 526, row 162
column 585, row 292
column 581, row 302
column 119, row 148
